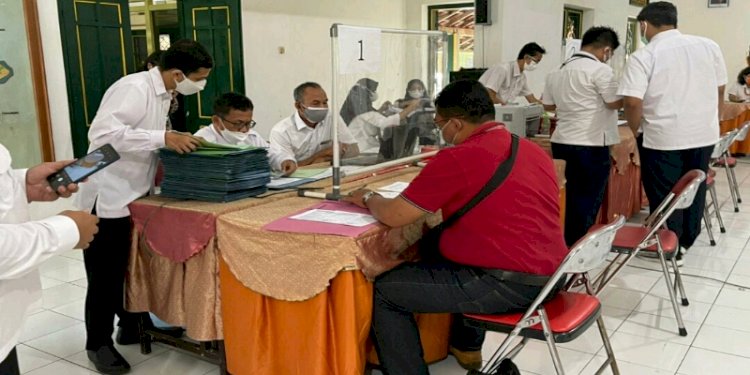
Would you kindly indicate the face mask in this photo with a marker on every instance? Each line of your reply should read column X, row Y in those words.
column 188, row 87
column 452, row 141
column 316, row 115
column 530, row 65
column 416, row 94
column 233, row 137
column 607, row 57
column 643, row 34
column 373, row 96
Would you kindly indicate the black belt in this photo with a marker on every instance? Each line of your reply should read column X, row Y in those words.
column 518, row 277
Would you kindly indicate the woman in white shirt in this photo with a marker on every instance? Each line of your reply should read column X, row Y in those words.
column 740, row 92
column 367, row 127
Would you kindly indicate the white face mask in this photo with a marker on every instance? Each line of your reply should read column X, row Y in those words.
column 452, row 141
column 373, row 96
column 530, row 65
column 232, row 137
column 188, row 87
column 643, row 34
column 416, row 94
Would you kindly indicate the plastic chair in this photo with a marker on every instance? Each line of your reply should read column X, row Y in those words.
column 712, row 204
column 654, row 237
column 726, row 161
column 566, row 316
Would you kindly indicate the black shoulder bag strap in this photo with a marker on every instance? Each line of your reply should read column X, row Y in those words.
column 431, row 240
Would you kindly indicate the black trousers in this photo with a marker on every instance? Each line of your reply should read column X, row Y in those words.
column 9, row 366
column 587, row 173
column 660, row 171
column 106, row 262
column 440, row 287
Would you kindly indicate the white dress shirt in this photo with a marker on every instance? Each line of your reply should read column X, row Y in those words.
column 366, row 129
column 678, row 77
column 276, row 157
column 24, row 245
column 507, row 80
column 132, row 117
column 580, row 90
column 742, row 92
column 291, row 136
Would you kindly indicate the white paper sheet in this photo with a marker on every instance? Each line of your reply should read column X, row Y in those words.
column 389, row 194
column 281, row 181
column 397, row 187
column 336, row 217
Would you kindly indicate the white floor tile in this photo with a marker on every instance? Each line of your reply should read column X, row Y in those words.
column 621, row 298
column 659, row 328
column 448, row 366
column 61, row 368
column 648, row 352
column 635, row 279
column 695, row 312
column 73, row 254
column 83, row 283
column 50, row 283
column 30, row 359
column 695, row 291
column 613, row 317
column 67, row 273
column 703, row 276
column 742, row 267
column 626, row 368
column 535, row 358
column 718, row 251
column 708, row 263
column 75, row 310
column 735, row 297
column 728, row 317
column 171, row 363
column 57, row 262
column 132, row 354
column 700, row 362
column 44, row 323
column 725, row 340
column 62, row 295
column 62, row 343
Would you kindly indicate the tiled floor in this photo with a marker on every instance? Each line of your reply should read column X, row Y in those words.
column 637, row 314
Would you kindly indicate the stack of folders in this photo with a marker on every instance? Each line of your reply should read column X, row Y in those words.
column 215, row 173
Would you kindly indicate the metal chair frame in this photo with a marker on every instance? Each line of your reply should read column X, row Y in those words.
column 656, row 222
column 734, row 188
column 587, row 254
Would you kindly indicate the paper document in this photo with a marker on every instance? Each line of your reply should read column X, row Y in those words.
column 281, row 181
column 389, row 194
column 397, row 187
column 321, row 173
column 336, row 217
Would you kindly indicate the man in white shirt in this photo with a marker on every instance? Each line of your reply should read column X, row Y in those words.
column 506, row 81
column 673, row 89
column 232, row 124
column 25, row 244
column 307, row 133
column 131, row 117
column 583, row 94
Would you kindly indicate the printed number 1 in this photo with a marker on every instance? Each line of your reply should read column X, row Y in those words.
column 361, row 51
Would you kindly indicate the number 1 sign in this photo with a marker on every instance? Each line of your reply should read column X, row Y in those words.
column 359, row 50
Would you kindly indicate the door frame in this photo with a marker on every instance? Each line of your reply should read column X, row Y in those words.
column 39, row 79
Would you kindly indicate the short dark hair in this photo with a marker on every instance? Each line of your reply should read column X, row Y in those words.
column 531, row 49
column 465, row 99
column 660, row 13
column 300, row 90
column 741, row 77
column 601, row 36
column 154, row 59
column 186, row 55
column 231, row 100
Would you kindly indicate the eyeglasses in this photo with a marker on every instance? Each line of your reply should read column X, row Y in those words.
column 240, row 125
column 440, row 124
column 533, row 59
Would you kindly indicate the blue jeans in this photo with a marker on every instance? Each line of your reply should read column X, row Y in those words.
column 441, row 287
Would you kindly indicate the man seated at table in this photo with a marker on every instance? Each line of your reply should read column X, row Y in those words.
column 495, row 258
column 232, row 124
column 306, row 134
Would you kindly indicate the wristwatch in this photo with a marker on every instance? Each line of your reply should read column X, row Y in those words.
column 366, row 197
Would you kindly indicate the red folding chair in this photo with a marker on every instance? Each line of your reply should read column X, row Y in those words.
column 726, row 161
column 712, row 207
column 654, row 237
column 566, row 316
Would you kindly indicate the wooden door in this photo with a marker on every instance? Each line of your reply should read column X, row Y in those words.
column 216, row 25
column 97, row 48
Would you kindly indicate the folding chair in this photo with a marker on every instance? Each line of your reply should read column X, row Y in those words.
column 566, row 316
column 654, row 237
column 712, row 204
column 726, row 161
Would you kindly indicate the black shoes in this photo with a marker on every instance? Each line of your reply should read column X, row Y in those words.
column 130, row 335
column 108, row 360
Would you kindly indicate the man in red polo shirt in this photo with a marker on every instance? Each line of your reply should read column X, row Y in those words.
column 494, row 259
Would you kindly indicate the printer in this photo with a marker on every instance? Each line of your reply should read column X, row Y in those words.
column 521, row 120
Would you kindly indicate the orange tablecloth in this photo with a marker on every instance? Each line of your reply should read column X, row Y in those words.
column 733, row 116
column 311, row 332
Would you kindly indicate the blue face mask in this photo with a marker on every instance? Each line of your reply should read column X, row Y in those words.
column 643, row 34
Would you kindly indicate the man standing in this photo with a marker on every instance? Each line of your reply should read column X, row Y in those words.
column 132, row 118
column 24, row 245
column 673, row 89
column 506, row 81
column 583, row 94
column 306, row 134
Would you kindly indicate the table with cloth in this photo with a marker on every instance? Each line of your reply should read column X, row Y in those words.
column 733, row 116
column 623, row 194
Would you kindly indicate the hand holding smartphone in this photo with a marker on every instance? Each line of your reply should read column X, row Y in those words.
column 84, row 167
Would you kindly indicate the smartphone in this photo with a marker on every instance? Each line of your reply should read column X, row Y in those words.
column 84, row 167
